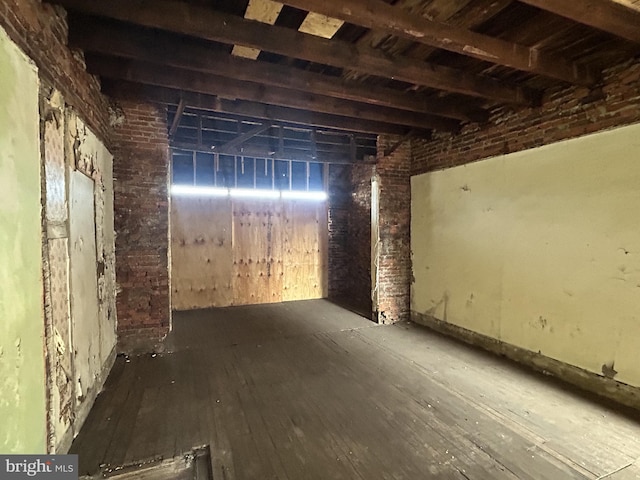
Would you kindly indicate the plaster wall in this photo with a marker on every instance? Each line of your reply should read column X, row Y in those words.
column 22, row 365
column 538, row 249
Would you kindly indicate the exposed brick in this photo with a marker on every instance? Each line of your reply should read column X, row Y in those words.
column 40, row 30
column 350, row 235
column 141, row 182
column 359, row 237
column 394, row 256
column 565, row 113
column 339, row 197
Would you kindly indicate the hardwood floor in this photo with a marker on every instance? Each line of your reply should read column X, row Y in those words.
column 308, row 390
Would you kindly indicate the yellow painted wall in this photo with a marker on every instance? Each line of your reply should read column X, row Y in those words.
column 22, row 369
column 539, row 249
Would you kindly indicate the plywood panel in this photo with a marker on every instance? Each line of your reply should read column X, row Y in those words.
column 257, row 252
column 304, row 251
column 201, row 256
column 242, row 252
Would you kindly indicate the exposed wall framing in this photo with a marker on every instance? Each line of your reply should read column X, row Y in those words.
column 229, row 134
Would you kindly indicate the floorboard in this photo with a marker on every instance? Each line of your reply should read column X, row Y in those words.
column 309, row 390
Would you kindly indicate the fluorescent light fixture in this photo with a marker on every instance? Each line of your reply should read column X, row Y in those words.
column 251, row 193
column 301, row 195
column 190, row 190
column 193, row 191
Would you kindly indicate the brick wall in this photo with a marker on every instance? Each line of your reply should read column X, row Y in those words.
column 338, row 208
column 564, row 113
column 141, row 176
column 350, row 236
column 394, row 255
column 40, row 30
column 359, row 244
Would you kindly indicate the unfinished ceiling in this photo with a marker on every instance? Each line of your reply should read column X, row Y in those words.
column 361, row 67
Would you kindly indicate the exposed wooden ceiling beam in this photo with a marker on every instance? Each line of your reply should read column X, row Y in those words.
column 270, row 146
column 299, row 133
column 471, row 16
column 607, row 15
column 240, row 139
column 377, row 14
column 213, row 128
column 271, row 154
column 93, row 36
column 265, row 11
column 167, row 96
column 169, row 77
column 201, row 21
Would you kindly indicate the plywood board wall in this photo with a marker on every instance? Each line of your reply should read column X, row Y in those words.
column 257, row 252
column 304, row 241
column 241, row 252
column 201, row 255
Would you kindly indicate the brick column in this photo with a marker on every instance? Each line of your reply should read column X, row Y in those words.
column 359, row 246
column 394, row 247
column 338, row 213
column 141, row 180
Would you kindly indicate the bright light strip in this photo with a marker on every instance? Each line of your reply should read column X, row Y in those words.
column 300, row 195
column 193, row 191
column 190, row 190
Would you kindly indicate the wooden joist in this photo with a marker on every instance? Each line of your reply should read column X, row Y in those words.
column 93, row 36
column 203, row 22
column 240, row 139
column 218, row 124
column 169, row 77
column 377, row 14
column 606, row 15
column 168, row 96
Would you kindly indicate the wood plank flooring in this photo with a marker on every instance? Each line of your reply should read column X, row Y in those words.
column 308, row 390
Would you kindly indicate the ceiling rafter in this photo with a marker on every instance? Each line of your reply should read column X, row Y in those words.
column 475, row 14
column 242, row 136
column 219, row 126
column 212, row 103
column 162, row 76
column 124, row 42
column 377, row 14
column 287, row 155
column 200, row 21
column 606, row 15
